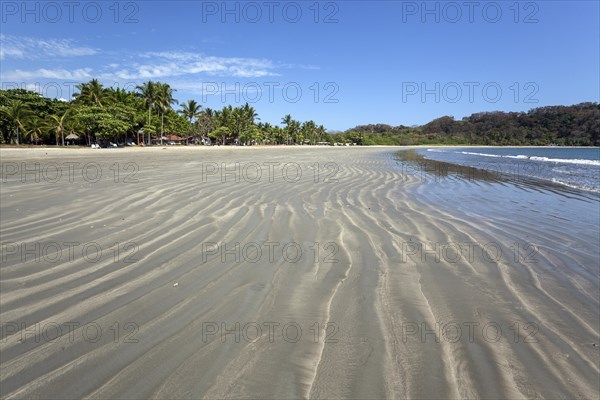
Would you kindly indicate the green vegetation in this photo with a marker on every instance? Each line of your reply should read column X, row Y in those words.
column 101, row 115
column 97, row 114
column 577, row 125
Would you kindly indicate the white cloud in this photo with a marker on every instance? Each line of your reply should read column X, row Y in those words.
column 79, row 75
column 152, row 65
column 32, row 48
column 172, row 64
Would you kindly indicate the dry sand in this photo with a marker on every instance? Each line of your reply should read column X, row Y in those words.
column 378, row 311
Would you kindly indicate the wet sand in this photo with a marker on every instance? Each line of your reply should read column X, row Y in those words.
column 335, row 273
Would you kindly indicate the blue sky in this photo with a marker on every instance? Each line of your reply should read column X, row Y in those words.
column 339, row 63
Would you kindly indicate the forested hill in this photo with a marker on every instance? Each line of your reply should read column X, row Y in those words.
column 576, row 125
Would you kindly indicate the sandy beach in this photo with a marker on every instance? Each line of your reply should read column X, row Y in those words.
column 290, row 272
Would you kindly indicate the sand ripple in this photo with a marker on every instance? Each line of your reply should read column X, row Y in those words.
column 378, row 304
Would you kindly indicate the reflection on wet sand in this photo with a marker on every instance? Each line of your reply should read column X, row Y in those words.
column 417, row 165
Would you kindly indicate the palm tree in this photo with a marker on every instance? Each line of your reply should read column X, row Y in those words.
column 296, row 132
column 190, row 110
column 292, row 128
column 18, row 112
column 287, row 120
column 309, row 130
column 91, row 93
column 278, row 134
column 238, row 121
column 250, row 114
column 164, row 101
column 267, row 131
column 149, row 94
column 226, row 118
column 58, row 123
column 38, row 129
column 320, row 132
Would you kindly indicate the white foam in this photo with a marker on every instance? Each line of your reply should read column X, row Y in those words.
column 563, row 170
column 586, row 188
column 538, row 158
column 481, row 154
column 566, row 160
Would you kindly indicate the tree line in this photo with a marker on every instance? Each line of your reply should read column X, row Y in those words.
column 576, row 125
column 99, row 114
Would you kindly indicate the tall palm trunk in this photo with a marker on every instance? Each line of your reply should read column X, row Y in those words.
column 149, row 107
column 162, row 127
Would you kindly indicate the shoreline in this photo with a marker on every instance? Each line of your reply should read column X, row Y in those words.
column 70, row 148
column 489, row 173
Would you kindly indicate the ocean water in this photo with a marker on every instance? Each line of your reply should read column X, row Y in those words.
column 577, row 168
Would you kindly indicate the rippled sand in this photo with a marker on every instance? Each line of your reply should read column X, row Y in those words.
column 374, row 297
